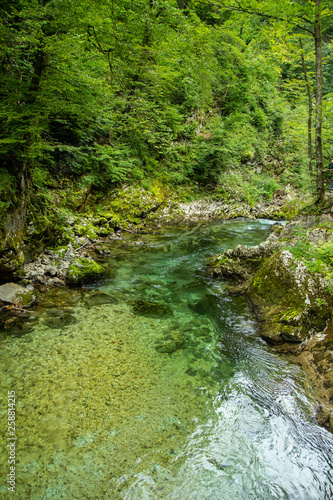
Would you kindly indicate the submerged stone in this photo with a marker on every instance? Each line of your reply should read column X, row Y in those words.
column 60, row 297
column 56, row 311
column 63, row 319
column 170, row 342
column 147, row 308
column 17, row 326
column 98, row 298
column 205, row 305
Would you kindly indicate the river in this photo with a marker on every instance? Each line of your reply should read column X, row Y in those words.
column 154, row 384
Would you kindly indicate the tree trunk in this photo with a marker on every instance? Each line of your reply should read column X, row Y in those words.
column 305, row 73
column 319, row 83
column 41, row 61
column 144, row 44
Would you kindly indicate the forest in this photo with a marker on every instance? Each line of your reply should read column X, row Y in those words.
column 232, row 97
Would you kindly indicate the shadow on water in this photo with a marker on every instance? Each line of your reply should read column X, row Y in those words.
column 161, row 388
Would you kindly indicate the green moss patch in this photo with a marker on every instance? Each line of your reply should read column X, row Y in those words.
column 83, row 270
column 10, row 293
column 290, row 300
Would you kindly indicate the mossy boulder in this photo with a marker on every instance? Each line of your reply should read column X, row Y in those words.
column 83, row 270
column 10, row 293
column 238, row 264
column 291, row 301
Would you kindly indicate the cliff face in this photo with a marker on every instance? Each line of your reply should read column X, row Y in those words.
column 12, row 227
column 293, row 299
column 11, row 241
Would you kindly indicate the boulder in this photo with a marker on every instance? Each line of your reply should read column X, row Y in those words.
column 238, row 264
column 290, row 301
column 83, row 270
column 10, row 293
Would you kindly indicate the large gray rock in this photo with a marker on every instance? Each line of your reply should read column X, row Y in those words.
column 292, row 303
column 10, row 293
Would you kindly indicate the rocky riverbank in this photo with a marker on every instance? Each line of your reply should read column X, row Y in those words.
column 45, row 247
column 288, row 280
column 284, row 205
column 66, row 249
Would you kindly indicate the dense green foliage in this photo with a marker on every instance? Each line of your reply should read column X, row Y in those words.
column 318, row 257
column 101, row 93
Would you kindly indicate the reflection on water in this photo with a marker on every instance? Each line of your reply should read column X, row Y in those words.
column 158, row 387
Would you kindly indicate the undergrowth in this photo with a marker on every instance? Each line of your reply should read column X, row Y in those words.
column 318, row 258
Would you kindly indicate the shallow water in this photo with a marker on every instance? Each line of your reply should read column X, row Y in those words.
column 157, row 386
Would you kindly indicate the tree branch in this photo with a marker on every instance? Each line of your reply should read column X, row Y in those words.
column 269, row 16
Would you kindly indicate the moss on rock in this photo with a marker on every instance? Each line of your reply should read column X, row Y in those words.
column 291, row 301
column 240, row 263
column 83, row 270
column 286, row 296
column 10, row 293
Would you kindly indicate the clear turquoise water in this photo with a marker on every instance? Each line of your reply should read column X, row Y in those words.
column 187, row 404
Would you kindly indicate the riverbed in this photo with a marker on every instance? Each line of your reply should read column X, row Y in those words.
column 154, row 384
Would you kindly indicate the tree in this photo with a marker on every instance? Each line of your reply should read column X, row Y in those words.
column 319, row 98
column 305, row 17
column 308, row 88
